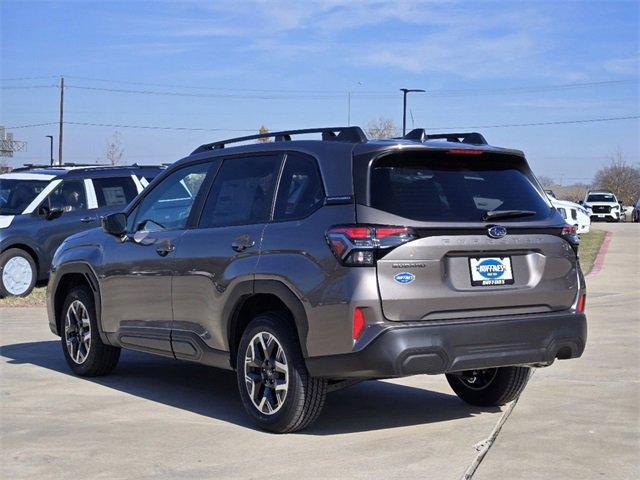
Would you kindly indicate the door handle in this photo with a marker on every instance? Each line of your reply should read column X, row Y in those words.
column 88, row 219
column 241, row 243
column 165, row 248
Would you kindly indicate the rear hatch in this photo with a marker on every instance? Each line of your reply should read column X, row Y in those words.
column 456, row 265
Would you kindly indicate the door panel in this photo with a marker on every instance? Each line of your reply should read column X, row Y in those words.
column 137, row 273
column 221, row 255
column 136, row 290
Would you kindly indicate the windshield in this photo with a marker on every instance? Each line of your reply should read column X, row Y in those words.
column 16, row 195
column 601, row 197
column 455, row 189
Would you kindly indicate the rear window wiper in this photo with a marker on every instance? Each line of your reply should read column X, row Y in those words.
column 507, row 214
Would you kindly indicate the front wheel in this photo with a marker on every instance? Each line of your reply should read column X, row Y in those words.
column 18, row 273
column 275, row 387
column 490, row 387
column 83, row 349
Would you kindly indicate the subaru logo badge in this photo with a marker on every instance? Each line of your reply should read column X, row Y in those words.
column 497, row 231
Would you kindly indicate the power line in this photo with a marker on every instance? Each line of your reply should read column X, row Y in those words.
column 202, row 129
column 31, row 125
column 26, row 87
column 451, row 92
column 536, row 124
column 27, row 78
column 152, row 127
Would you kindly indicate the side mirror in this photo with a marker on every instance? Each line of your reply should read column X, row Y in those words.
column 50, row 213
column 115, row 224
column 580, row 202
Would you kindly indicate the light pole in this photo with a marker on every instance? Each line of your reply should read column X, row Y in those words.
column 404, row 106
column 50, row 137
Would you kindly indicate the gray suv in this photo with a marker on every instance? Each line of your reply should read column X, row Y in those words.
column 307, row 265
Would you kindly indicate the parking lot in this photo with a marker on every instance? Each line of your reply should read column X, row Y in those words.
column 158, row 418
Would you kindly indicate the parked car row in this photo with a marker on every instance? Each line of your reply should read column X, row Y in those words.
column 41, row 206
column 573, row 213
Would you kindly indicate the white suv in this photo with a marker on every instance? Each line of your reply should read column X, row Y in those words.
column 602, row 205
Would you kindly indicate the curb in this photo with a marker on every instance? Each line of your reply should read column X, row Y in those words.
column 599, row 262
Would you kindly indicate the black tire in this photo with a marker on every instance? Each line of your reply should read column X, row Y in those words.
column 101, row 359
column 491, row 387
column 5, row 257
column 305, row 395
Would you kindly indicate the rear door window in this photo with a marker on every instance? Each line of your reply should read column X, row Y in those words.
column 452, row 189
column 242, row 193
column 114, row 192
column 300, row 191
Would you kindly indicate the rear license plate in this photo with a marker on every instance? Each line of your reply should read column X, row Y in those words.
column 490, row 271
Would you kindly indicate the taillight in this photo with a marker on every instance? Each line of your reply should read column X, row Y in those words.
column 358, row 323
column 570, row 234
column 360, row 245
column 464, row 151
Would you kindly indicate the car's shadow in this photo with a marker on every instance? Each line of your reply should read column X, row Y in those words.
column 212, row 392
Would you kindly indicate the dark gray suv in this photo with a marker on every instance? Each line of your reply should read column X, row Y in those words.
column 306, row 265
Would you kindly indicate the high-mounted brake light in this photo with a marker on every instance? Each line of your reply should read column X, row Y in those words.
column 360, row 245
column 464, row 151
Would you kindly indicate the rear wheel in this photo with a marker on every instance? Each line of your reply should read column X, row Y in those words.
column 490, row 387
column 275, row 387
column 18, row 273
column 83, row 349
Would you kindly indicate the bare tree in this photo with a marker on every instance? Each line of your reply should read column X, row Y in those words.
column 263, row 131
column 620, row 178
column 382, row 128
column 115, row 152
column 546, row 182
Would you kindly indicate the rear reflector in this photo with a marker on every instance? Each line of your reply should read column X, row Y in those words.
column 582, row 301
column 358, row 323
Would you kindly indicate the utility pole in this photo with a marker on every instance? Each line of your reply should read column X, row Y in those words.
column 61, row 120
column 50, row 137
column 349, row 109
column 404, row 106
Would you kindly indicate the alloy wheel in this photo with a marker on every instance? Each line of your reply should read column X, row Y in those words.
column 478, row 379
column 266, row 373
column 77, row 332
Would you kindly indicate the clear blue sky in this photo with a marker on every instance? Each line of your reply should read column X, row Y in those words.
column 290, row 64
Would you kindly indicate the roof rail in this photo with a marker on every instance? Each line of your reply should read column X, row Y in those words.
column 336, row 134
column 420, row 135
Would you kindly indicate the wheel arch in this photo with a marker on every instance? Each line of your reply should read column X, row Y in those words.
column 67, row 277
column 264, row 296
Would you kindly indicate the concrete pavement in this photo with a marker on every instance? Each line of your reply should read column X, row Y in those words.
column 157, row 418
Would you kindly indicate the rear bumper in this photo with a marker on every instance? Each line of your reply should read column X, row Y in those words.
column 455, row 346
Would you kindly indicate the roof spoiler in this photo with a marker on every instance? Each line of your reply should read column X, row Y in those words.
column 420, row 135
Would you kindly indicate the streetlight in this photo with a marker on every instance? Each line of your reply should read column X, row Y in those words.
column 50, row 137
column 404, row 106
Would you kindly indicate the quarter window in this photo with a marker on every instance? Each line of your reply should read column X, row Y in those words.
column 300, row 191
column 113, row 192
column 242, row 192
column 168, row 205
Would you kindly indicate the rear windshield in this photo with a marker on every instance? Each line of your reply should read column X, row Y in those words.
column 601, row 197
column 16, row 195
column 453, row 189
